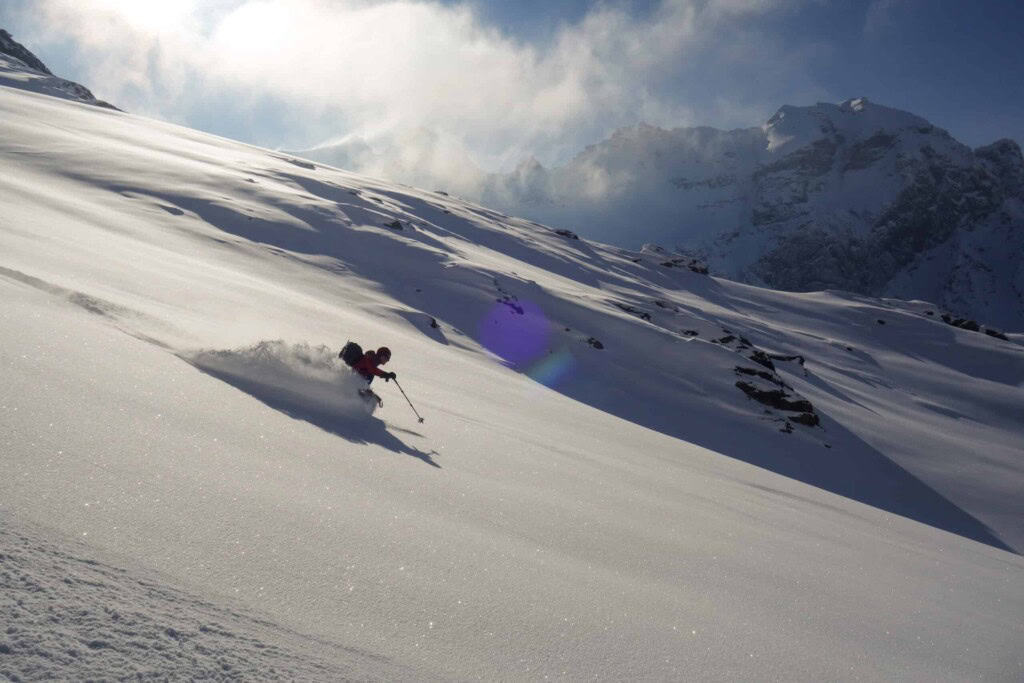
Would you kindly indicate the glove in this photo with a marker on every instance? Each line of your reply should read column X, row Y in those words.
column 389, row 376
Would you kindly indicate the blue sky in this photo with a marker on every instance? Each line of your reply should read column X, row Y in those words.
column 499, row 81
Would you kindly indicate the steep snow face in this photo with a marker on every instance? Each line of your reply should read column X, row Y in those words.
column 833, row 168
column 792, row 128
column 627, row 469
column 855, row 196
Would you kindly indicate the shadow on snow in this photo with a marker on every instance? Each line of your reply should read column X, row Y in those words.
column 852, row 468
column 362, row 430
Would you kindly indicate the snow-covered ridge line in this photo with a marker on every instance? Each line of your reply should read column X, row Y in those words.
column 9, row 46
column 20, row 68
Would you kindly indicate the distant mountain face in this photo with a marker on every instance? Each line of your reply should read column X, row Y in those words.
column 22, row 69
column 855, row 196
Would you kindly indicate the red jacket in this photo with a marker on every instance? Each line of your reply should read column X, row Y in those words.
column 367, row 365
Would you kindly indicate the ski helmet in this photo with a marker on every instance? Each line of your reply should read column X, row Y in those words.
column 384, row 354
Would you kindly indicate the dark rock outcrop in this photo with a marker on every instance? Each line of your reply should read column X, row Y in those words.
column 9, row 46
column 44, row 81
column 775, row 398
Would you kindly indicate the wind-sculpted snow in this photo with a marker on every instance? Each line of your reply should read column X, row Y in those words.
column 592, row 418
column 70, row 614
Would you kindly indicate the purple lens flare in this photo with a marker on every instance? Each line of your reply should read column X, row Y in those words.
column 516, row 331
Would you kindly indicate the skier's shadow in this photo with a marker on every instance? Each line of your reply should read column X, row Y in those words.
column 358, row 430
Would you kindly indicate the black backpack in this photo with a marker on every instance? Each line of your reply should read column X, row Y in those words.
column 351, row 353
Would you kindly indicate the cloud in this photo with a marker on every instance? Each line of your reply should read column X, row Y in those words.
column 308, row 70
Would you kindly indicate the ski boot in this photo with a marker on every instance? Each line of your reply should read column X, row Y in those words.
column 368, row 395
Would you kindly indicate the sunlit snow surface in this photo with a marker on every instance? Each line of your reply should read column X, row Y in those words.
column 172, row 305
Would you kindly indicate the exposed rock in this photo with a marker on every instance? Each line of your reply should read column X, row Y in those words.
column 776, row 398
column 809, row 419
column 9, row 46
column 510, row 302
column 40, row 79
column 685, row 262
column 507, row 298
column 798, row 358
column 629, row 309
column 945, row 191
column 762, row 358
column 763, row 374
column 595, row 343
column 863, row 154
column 962, row 323
column 1006, row 163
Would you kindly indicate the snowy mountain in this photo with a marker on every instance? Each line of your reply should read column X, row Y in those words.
column 19, row 68
column 855, row 196
column 628, row 468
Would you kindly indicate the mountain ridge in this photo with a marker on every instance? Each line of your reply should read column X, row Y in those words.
column 854, row 196
column 24, row 70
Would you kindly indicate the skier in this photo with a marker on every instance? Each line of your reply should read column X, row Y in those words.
column 368, row 368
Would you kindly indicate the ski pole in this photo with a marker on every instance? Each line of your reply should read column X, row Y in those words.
column 407, row 399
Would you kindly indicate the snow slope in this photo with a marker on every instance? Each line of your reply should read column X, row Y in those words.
column 68, row 615
column 592, row 493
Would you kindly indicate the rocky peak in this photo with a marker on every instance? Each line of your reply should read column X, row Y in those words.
column 13, row 48
column 27, row 72
column 1004, row 159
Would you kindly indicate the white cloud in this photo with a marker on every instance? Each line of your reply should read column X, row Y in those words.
column 366, row 69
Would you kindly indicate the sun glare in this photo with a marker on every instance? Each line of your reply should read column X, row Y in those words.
column 151, row 16
column 253, row 26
